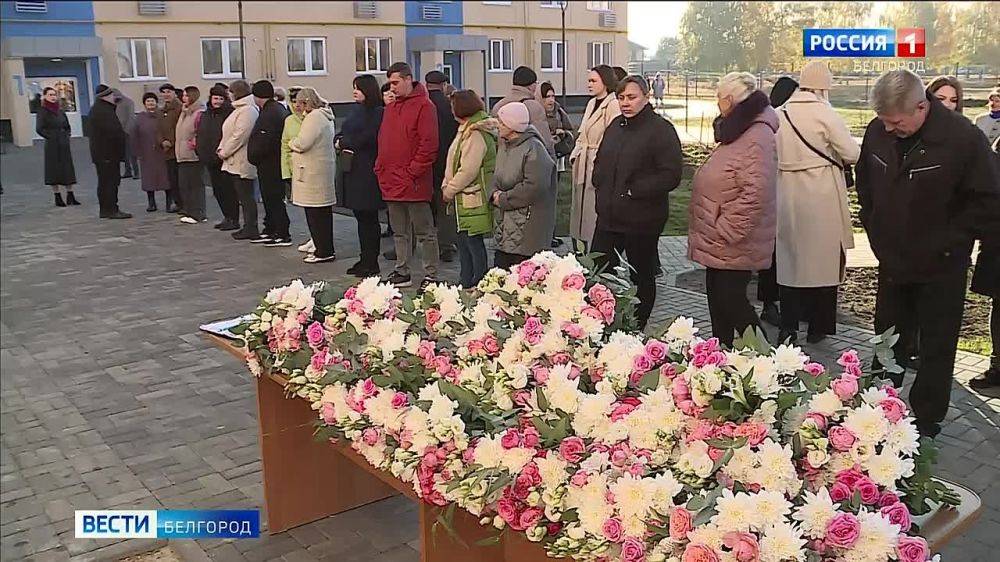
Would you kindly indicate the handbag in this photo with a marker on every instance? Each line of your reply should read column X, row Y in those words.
column 345, row 158
column 845, row 168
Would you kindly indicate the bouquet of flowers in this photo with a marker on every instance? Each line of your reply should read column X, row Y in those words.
column 529, row 402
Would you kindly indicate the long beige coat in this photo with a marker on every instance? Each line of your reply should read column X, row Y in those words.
column 814, row 221
column 236, row 131
column 583, row 216
column 313, row 165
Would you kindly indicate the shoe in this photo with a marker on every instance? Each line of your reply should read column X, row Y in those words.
column 71, row 198
column 307, row 246
column 151, row 208
column 353, row 269
column 989, row 379
column 189, row 220
column 387, row 233
column 313, row 258
column 447, row 256
column 117, row 215
column 229, row 225
column 261, row 239
column 785, row 336
column 427, row 282
column 366, row 272
column 126, row 175
column 244, row 235
column 399, row 280
column 556, row 242
column 278, row 242
column 770, row 314
column 815, row 337
column 928, row 429
column 173, row 208
column 219, row 225
column 389, row 254
column 59, row 200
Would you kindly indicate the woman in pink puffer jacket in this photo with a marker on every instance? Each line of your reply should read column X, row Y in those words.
column 732, row 222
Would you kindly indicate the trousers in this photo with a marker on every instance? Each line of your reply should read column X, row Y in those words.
column 108, row 180
column 369, row 237
column 728, row 305
column 640, row 251
column 472, row 259
column 192, row 189
column 272, row 194
column 248, row 203
column 815, row 305
column 225, row 195
column 174, row 178
column 418, row 218
column 320, row 222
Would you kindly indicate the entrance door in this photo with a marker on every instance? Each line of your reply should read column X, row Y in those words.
column 453, row 62
column 69, row 100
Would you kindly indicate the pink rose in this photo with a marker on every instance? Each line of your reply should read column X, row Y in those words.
column 814, row 369
column 314, row 333
column 326, row 411
column 697, row 552
column 754, row 432
column 633, row 550
column 507, row 510
column 530, row 516
column 849, row 357
column 912, row 549
column 369, row 388
column 607, row 309
column 843, row 530
column 561, row 358
column 580, row 478
column 592, row 312
column 850, row 476
column 399, row 400
column 599, row 293
column 572, row 449
column 893, row 408
column 573, row 330
column 668, row 371
column 853, row 370
column 818, row 419
column 845, row 387
column 897, row 514
column 351, row 293
column 356, row 307
column 656, row 350
column 510, row 439
column 887, row 498
column 716, row 358
column 641, row 363
column 869, row 491
column 840, row 492
column 621, row 410
column 841, row 438
column 573, row 282
column 370, row 436
column 890, row 390
column 744, row 546
column 680, row 523
column 613, row 530
column 540, row 274
column 530, row 437
column 553, row 528
column 540, row 374
column 491, row 345
column 433, row 316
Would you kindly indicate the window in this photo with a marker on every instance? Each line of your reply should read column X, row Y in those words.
column 553, row 3
column 598, row 53
column 306, row 55
column 372, row 53
column 553, row 55
column 31, row 7
column 221, row 58
column 599, row 6
column 142, row 58
column 501, row 59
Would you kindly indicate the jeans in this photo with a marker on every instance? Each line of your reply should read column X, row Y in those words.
column 244, row 193
column 272, row 194
column 415, row 216
column 728, row 305
column 225, row 196
column 472, row 255
column 320, row 222
column 192, row 189
column 640, row 251
column 447, row 228
column 369, row 237
column 933, row 309
column 131, row 162
column 108, row 180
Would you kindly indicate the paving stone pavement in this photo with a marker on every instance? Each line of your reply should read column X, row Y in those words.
column 112, row 399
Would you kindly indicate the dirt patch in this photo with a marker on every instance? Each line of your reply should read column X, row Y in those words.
column 165, row 554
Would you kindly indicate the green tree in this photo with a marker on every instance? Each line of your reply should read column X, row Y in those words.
column 667, row 51
column 977, row 34
column 709, row 36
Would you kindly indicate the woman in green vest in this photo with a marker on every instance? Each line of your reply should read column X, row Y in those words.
column 293, row 123
column 468, row 173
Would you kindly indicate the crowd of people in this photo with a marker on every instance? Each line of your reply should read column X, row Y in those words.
column 771, row 199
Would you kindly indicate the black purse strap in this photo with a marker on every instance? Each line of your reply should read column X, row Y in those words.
column 811, row 147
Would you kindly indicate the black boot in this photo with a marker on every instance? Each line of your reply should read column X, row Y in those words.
column 59, row 200
column 71, row 199
column 770, row 314
column 151, row 199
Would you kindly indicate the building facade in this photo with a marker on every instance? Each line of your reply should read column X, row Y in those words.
column 46, row 44
column 326, row 44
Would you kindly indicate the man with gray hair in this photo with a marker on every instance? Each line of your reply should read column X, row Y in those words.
column 927, row 186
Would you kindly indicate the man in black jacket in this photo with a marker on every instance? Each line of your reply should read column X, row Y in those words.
column 107, row 149
column 435, row 81
column 927, row 185
column 264, row 151
column 209, row 136
column 638, row 164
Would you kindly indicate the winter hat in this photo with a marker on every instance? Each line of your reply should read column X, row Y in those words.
column 816, row 75
column 514, row 115
column 435, row 77
column 103, row 90
column 219, row 91
column 524, row 76
column 262, row 89
column 167, row 86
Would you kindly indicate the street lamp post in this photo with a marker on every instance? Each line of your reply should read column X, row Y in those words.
column 243, row 52
column 556, row 54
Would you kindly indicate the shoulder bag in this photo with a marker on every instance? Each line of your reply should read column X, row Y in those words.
column 846, row 169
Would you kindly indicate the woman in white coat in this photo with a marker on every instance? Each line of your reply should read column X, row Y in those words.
column 601, row 110
column 313, row 172
column 814, row 221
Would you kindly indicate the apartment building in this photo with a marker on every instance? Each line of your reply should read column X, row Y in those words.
column 326, row 44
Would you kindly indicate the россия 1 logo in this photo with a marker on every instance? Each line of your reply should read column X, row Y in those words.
column 907, row 42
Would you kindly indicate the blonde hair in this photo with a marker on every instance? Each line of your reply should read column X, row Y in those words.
column 310, row 97
column 738, row 85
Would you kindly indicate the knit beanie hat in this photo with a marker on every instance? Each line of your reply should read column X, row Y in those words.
column 103, row 90
column 515, row 115
column 262, row 89
column 816, row 75
column 524, row 76
column 217, row 91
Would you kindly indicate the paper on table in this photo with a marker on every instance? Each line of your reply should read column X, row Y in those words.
column 221, row 327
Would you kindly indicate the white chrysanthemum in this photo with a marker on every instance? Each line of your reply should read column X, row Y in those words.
column 705, row 383
column 375, row 295
column 681, row 329
column 902, row 437
column 694, row 459
column 412, row 343
column 873, row 395
column 664, row 489
column 815, row 513
column 769, row 506
column 562, row 392
column 633, row 495
column 867, row 423
column 387, row 336
column 788, row 359
column 765, row 375
column 592, row 408
column 488, row 452
column 708, row 535
column 552, row 469
column 886, row 468
column 380, row 411
column 515, row 459
column 877, row 540
column 735, row 512
column 782, row 542
column 590, row 503
column 826, row 403
column 616, row 355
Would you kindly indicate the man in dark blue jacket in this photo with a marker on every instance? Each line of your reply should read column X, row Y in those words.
column 264, row 152
column 107, row 150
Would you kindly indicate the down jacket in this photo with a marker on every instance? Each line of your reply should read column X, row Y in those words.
column 235, row 135
column 469, row 172
column 732, row 209
column 526, row 216
column 407, row 147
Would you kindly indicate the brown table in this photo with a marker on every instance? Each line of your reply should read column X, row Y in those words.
column 306, row 480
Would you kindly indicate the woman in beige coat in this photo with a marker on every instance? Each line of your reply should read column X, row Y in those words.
column 601, row 110
column 814, row 222
column 313, row 172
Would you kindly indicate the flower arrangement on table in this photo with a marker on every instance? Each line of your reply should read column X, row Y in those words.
column 527, row 402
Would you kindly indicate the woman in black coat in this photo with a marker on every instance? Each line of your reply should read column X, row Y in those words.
column 53, row 126
column 358, row 142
